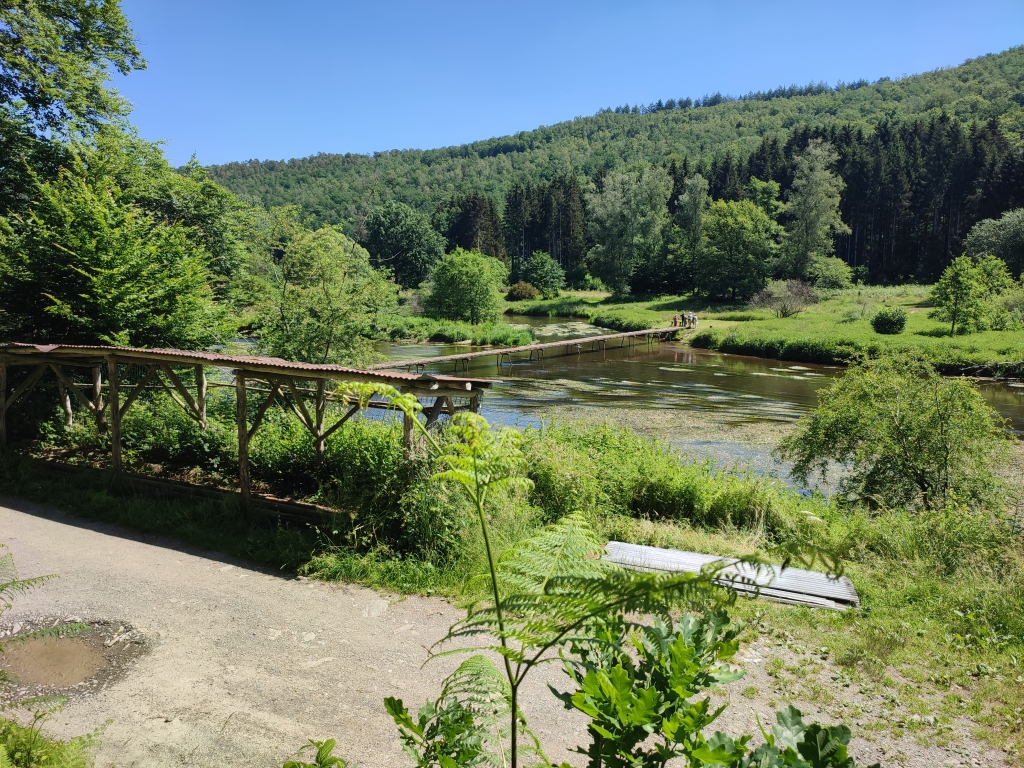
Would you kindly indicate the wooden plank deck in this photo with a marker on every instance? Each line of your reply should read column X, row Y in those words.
column 792, row 585
column 572, row 346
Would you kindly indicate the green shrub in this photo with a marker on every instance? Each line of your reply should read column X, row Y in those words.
column 464, row 286
column 521, row 291
column 544, row 274
column 906, row 437
column 890, row 321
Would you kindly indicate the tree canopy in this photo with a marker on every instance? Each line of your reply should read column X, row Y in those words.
column 908, row 436
column 402, row 240
column 464, row 285
column 318, row 301
column 87, row 264
column 55, row 60
column 628, row 217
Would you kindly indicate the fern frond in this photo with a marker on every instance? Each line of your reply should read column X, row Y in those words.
column 485, row 691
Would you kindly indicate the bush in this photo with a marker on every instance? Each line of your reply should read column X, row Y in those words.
column 785, row 297
column 906, row 437
column 829, row 274
column 464, row 286
column 890, row 321
column 544, row 274
column 522, row 291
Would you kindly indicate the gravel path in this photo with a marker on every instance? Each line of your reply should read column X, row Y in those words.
column 241, row 665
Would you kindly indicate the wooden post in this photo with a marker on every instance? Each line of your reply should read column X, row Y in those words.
column 3, row 401
column 65, row 401
column 115, row 414
column 407, row 434
column 97, row 399
column 243, row 437
column 474, row 403
column 201, row 395
column 318, row 421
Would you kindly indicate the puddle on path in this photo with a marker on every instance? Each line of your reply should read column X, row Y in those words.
column 66, row 665
column 53, row 662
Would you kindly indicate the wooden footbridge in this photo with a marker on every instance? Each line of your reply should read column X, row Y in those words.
column 536, row 351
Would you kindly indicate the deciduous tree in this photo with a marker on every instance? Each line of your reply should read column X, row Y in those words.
column 813, row 208
column 735, row 258
column 628, row 218
column 906, row 435
column 464, row 286
column 402, row 240
column 959, row 296
column 318, row 299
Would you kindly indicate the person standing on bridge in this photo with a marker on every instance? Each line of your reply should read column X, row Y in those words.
column 694, row 318
column 675, row 321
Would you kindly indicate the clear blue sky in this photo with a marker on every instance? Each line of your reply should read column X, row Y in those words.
column 234, row 80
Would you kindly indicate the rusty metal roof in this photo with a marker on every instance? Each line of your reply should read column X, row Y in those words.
column 243, row 362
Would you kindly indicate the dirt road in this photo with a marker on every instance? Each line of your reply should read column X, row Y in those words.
column 242, row 665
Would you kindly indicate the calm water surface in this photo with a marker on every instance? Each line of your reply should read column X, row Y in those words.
column 663, row 375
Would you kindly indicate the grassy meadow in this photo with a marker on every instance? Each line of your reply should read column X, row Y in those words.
column 834, row 330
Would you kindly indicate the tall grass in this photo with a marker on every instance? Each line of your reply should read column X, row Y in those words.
column 419, row 328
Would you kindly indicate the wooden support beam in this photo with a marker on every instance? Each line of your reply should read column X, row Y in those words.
column 151, row 372
column 435, row 411
column 73, row 388
column 334, row 427
column 3, row 401
column 26, row 386
column 320, row 410
column 407, row 435
column 115, row 414
column 474, row 404
column 201, row 394
column 97, row 399
column 65, row 403
column 243, row 438
column 275, row 390
column 300, row 408
column 186, row 397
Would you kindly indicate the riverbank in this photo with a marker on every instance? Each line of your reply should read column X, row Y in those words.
column 833, row 331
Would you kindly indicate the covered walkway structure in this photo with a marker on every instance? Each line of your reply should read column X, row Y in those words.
column 107, row 380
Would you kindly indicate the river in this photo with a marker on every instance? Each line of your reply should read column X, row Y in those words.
column 666, row 375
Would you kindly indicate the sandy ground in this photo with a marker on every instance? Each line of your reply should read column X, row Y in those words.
column 240, row 666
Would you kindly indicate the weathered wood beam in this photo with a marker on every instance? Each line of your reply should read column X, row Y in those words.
column 407, row 435
column 151, row 372
column 334, row 427
column 241, row 419
column 115, row 414
column 300, row 407
column 435, row 411
column 274, row 392
column 65, row 402
column 73, row 388
column 320, row 411
column 97, row 398
column 26, row 386
column 186, row 397
column 201, row 394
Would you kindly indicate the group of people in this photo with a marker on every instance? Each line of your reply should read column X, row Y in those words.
column 688, row 320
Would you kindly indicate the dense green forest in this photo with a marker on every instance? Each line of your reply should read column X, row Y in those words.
column 923, row 159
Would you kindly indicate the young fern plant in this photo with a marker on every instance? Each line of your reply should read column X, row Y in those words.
column 544, row 592
column 554, row 592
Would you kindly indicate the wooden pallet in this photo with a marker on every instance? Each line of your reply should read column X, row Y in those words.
column 792, row 585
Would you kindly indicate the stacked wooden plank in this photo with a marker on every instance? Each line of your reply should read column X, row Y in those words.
column 792, row 585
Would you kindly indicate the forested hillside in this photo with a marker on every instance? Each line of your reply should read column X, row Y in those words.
column 335, row 188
